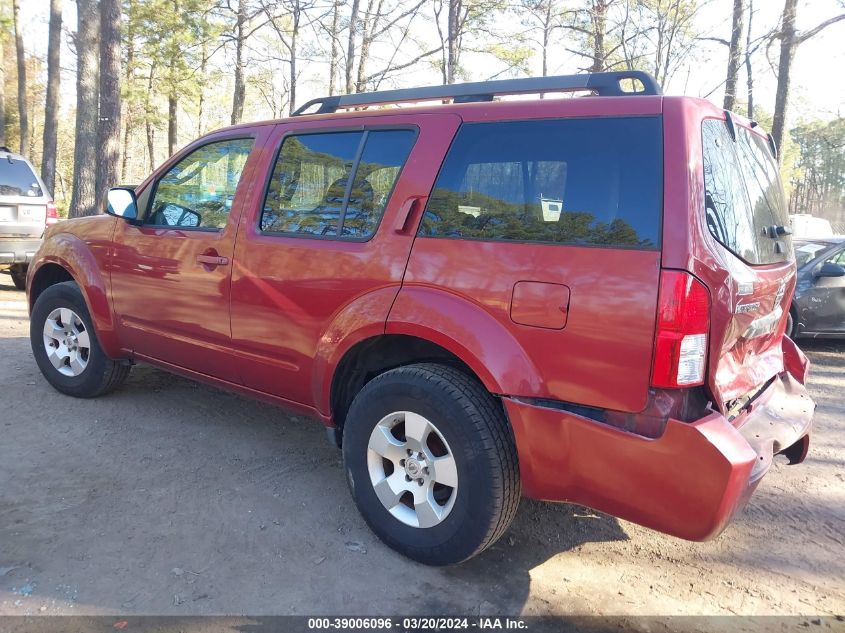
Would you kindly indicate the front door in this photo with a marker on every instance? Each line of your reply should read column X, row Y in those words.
column 170, row 275
column 826, row 300
column 324, row 247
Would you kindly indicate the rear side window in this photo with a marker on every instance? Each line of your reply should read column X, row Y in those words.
column 595, row 181
column 17, row 179
column 743, row 197
column 310, row 190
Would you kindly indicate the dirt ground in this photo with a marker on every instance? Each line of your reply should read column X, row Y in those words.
column 169, row 497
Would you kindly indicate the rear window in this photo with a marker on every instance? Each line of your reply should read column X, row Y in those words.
column 593, row 181
column 743, row 196
column 17, row 179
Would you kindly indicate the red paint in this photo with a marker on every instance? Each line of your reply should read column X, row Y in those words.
column 273, row 316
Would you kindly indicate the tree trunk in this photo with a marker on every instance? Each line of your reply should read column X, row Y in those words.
column 172, row 108
column 2, row 95
column 787, row 53
column 334, row 48
column 547, row 30
column 350, row 49
column 23, row 115
column 129, row 117
column 51, row 108
column 292, row 92
column 83, row 200
column 240, row 87
column 749, row 76
column 453, row 40
column 108, row 132
column 734, row 56
column 148, row 116
column 599, row 19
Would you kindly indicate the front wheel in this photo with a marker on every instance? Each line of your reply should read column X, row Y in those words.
column 65, row 345
column 431, row 463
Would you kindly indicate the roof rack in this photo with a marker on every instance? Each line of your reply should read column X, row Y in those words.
column 603, row 84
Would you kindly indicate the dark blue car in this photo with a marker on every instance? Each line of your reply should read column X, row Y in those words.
column 818, row 308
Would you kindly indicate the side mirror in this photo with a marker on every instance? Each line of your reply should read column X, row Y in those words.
column 829, row 269
column 121, row 203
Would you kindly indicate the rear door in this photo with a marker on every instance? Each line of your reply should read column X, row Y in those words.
column 746, row 217
column 551, row 226
column 324, row 246
column 23, row 199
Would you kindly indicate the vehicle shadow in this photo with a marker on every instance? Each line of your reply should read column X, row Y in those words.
column 109, row 502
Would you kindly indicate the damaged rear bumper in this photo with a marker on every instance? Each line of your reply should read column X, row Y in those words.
column 689, row 482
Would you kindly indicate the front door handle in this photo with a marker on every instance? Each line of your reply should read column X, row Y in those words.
column 212, row 260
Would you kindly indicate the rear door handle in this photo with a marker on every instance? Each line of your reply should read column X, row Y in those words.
column 212, row 260
column 406, row 212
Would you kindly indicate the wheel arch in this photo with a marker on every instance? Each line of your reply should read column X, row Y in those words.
column 65, row 257
column 375, row 355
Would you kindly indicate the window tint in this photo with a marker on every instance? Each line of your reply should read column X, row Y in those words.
column 199, row 190
column 575, row 181
column 17, row 179
column 307, row 192
column 743, row 196
column 384, row 154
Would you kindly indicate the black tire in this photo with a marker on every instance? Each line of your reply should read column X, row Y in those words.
column 474, row 425
column 790, row 325
column 18, row 274
column 101, row 373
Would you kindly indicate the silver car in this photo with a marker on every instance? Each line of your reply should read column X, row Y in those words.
column 26, row 209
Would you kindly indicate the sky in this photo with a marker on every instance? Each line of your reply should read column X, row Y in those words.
column 817, row 86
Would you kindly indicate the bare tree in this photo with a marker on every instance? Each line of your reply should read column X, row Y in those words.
column 51, row 108
column 749, row 73
column 2, row 94
column 543, row 17
column 286, row 17
column 790, row 40
column 239, row 94
column 734, row 55
column 23, row 115
column 83, row 201
column 334, row 52
column 108, row 130
column 350, row 45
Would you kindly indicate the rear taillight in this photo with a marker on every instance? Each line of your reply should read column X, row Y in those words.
column 52, row 214
column 683, row 319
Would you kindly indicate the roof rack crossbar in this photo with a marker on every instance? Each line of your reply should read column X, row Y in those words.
column 603, row 84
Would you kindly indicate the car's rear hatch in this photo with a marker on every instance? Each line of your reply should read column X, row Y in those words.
column 23, row 201
column 746, row 218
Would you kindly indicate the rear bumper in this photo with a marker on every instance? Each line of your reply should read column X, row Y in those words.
column 689, row 482
column 18, row 250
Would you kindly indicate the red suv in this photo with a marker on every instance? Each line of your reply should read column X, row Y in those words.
column 574, row 299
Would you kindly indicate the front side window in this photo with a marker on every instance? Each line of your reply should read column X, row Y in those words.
column 199, row 190
column 593, row 181
column 310, row 191
column 743, row 197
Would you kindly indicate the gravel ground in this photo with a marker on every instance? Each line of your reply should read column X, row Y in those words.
column 168, row 497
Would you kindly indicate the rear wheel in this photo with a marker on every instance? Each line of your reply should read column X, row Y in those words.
column 65, row 345
column 18, row 274
column 431, row 463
